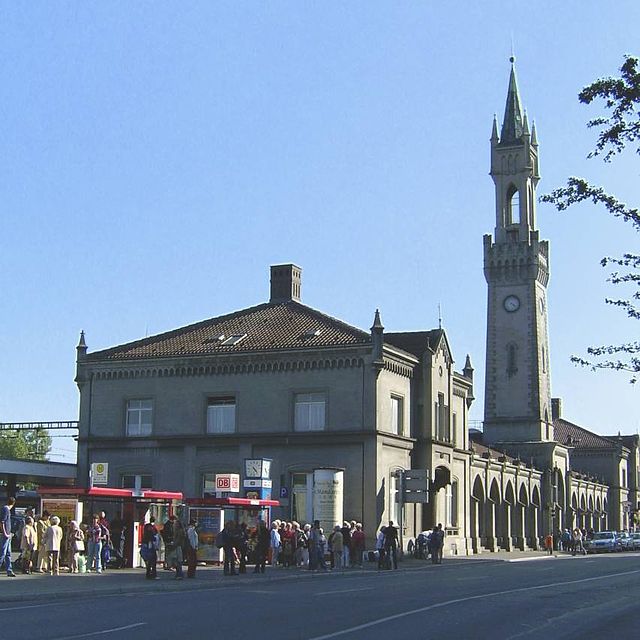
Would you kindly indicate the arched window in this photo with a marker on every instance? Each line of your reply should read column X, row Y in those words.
column 513, row 206
column 512, row 359
column 451, row 516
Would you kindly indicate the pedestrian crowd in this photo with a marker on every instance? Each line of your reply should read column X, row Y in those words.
column 47, row 547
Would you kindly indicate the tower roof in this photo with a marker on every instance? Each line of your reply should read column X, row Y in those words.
column 512, row 123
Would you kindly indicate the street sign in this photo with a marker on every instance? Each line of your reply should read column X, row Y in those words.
column 100, row 473
column 413, row 486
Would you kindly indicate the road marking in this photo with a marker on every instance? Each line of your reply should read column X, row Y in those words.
column 330, row 593
column 103, row 632
column 440, row 605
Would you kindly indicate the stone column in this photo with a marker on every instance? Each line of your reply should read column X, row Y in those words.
column 534, row 521
column 521, row 528
column 508, row 542
column 491, row 526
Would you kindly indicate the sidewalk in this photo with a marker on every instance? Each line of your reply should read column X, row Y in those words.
column 43, row 587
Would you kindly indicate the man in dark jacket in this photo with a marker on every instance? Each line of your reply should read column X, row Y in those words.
column 391, row 543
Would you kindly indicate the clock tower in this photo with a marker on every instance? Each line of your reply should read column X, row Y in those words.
column 516, row 267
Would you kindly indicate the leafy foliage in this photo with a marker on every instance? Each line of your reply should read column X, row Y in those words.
column 620, row 128
column 27, row 444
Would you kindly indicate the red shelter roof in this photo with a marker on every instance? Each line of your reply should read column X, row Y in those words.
column 109, row 492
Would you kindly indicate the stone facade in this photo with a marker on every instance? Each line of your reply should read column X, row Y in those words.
column 283, row 381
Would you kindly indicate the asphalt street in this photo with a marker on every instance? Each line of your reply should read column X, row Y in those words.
column 581, row 597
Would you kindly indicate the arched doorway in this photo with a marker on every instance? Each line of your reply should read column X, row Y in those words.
column 493, row 513
column 534, row 511
column 477, row 514
column 508, row 523
column 438, row 496
column 522, row 524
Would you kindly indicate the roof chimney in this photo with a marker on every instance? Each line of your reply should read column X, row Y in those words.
column 556, row 408
column 286, row 282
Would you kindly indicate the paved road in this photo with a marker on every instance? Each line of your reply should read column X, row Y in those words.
column 581, row 597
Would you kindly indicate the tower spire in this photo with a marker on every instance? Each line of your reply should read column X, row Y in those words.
column 512, row 128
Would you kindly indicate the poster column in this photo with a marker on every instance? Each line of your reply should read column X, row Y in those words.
column 328, row 493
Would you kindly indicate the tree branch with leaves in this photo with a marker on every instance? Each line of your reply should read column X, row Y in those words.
column 619, row 129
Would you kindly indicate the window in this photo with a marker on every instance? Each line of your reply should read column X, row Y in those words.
column 310, row 410
column 221, row 415
column 454, row 428
column 624, row 477
column 442, row 420
column 452, row 504
column 397, row 425
column 512, row 359
column 138, row 482
column 233, row 340
column 513, row 206
column 208, row 485
column 301, row 500
column 139, row 417
column 393, row 498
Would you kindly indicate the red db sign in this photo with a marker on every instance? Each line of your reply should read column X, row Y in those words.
column 228, row 482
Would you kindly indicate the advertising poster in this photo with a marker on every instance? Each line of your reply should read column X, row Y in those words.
column 66, row 510
column 209, row 525
column 328, row 491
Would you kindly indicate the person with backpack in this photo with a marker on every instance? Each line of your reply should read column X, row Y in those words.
column 174, row 541
column 302, row 545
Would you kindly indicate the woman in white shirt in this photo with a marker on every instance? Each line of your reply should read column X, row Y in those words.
column 28, row 544
column 53, row 539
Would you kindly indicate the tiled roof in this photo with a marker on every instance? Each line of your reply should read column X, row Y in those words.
column 574, row 436
column 265, row 327
column 415, row 342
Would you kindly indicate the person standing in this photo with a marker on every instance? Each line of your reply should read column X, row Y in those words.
column 358, row 540
column 151, row 538
column 53, row 541
column 337, row 544
column 275, row 544
column 380, row 547
column 302, row 545
column 174, row 548
column 75, row 542
column 192, row 549
column 346, row 531
column 42, row 524
column 548, row 543
column 28, row 544
column 5, row 536
column 391, row 544
column 96, row 539
column 263, row 539
column 437, row 543
column 105, row 553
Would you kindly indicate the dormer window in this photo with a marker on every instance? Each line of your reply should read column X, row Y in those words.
column 233, row 340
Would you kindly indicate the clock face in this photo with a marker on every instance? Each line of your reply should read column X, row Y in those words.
column 252, row 468
column 511, row 303
column 266, row 468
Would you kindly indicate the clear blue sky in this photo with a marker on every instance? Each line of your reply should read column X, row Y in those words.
column 157, row 157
